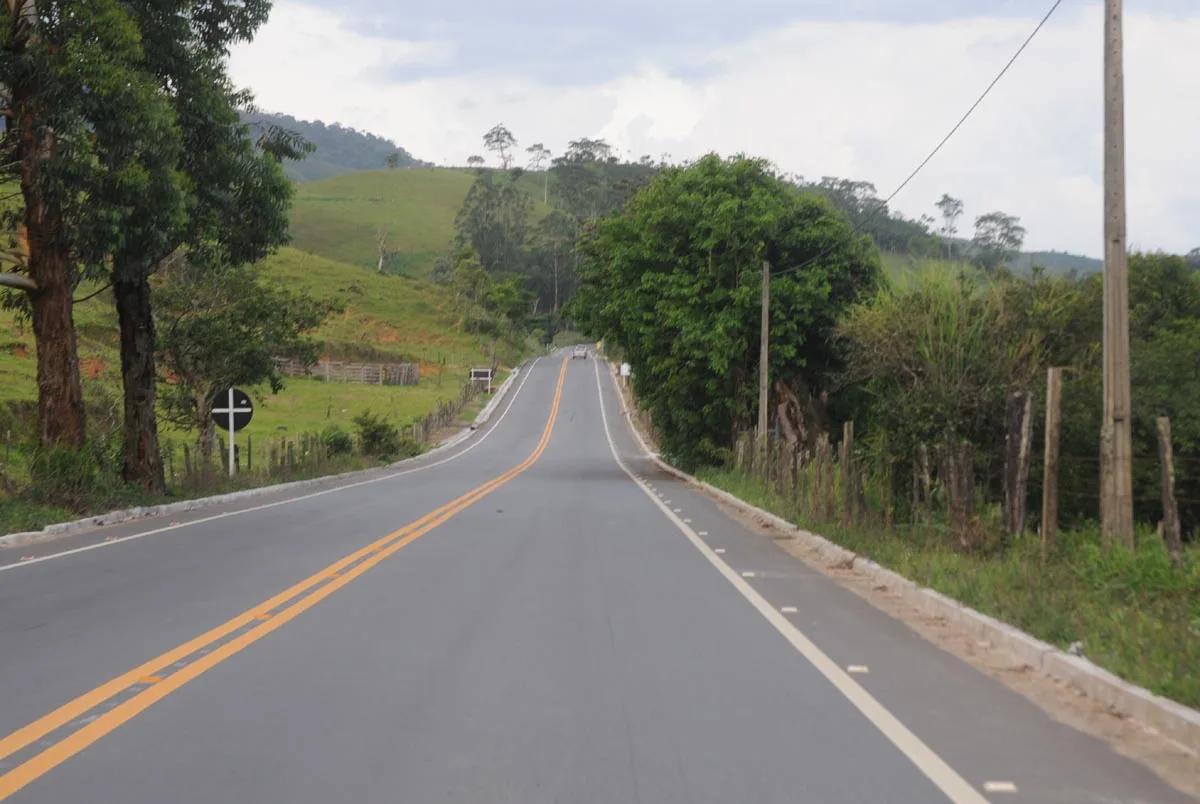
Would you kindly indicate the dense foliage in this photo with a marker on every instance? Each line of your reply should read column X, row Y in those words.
column 674, row 282
column 220, row 326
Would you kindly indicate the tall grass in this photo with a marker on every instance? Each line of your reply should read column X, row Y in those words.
column 1134, row 613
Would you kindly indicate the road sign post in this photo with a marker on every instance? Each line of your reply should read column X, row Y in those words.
column 235, row 414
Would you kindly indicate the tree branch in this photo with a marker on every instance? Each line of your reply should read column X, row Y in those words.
column 91, row 295
column 19, row 282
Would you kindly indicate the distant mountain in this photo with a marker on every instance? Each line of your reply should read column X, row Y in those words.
column 1058, row 262
column 1054, row 262
column 340, row 149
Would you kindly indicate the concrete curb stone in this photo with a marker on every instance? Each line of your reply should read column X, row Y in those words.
column 143, row 512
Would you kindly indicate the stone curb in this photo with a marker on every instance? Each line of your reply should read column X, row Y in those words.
column 1174, row 720
column 144, row 512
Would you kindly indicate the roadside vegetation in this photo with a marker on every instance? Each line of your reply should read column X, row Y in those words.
column 907, row 399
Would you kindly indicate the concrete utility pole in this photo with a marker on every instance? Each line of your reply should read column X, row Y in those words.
column 763, row 362
column 1116, row 459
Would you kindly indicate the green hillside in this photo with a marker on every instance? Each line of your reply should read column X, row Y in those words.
column 343, row 217
column 386, row 318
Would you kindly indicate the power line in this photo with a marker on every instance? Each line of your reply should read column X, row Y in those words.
column 882, row 206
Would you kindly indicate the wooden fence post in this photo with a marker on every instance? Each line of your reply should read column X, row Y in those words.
column 846, row 470
column 961, row 487
column 1170, row 520
column 1019, row 433
column 1050, row 467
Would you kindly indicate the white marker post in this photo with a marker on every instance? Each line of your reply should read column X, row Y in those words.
column 231, row 431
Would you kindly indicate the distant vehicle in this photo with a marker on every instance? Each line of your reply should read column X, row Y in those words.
column 580, row 351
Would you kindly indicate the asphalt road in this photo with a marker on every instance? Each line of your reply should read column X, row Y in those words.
column 517, row 619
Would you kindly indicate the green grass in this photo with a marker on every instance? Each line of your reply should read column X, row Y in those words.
column 1136, row 615
column 903, row 270
column 388, row 317
column 341, row 217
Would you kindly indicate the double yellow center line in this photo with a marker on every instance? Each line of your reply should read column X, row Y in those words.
column 152, row 680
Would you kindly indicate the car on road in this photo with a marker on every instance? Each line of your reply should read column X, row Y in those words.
column 580, row 351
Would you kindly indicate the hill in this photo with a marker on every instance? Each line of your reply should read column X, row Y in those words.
column 340, row 149
column 386, row 318
column 344, row 217
column 1058, row 262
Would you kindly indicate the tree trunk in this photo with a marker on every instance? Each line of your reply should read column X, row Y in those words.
column 206, row 428
column 60, row 394
column 556, row 284
column 61, row 416
column 143, row 463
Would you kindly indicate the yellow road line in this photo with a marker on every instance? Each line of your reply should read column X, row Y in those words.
column 75, row 742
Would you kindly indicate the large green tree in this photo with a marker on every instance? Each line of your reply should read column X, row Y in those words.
column 91, row 141
column 238, row 195
column 673, row 281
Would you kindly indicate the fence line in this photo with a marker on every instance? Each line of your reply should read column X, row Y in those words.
column 360, row 373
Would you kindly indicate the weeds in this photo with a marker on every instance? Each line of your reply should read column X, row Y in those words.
column 1135, row 614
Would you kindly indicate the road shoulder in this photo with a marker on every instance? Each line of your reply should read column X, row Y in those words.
column 1063, row 701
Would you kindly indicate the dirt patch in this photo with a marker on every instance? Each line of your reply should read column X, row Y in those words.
column 93, row 367
column 1062, row 701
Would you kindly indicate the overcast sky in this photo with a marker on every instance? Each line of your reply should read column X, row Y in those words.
column 861, row 89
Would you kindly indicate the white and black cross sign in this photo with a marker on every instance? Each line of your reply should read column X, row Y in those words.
column 233, row 403
column 233, row 411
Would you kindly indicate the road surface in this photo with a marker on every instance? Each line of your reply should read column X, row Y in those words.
column 517, row 619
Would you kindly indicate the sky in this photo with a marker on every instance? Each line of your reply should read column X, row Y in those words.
column 860, row 89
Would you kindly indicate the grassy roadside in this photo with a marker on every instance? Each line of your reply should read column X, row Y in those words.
column 1134, row 614
column 20, row 513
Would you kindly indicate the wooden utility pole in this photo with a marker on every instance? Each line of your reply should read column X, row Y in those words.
column 763, row 362
column 1116, row 492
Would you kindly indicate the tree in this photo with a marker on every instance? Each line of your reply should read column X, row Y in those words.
column 538, row 154
column 90, row 141
column 553, row 240
column 239, row 196
column 475, row 161
column 998, row 239
column 673, row 281
column 222, row 326
column 500, row 141
column 393, row 161
column 1193, row 259
column 951, row 209
column 494, row 221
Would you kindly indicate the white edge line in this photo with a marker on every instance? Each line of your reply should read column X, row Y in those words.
column 290, row 500
column 956, row 788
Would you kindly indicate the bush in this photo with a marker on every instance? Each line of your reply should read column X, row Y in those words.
column 379, row 438
column 337, row 441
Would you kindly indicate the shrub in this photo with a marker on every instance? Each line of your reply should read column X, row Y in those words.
column 67, row 477
column 379, row 438
column 337, row 440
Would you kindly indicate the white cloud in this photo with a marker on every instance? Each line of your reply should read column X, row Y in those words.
column 862, row 100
